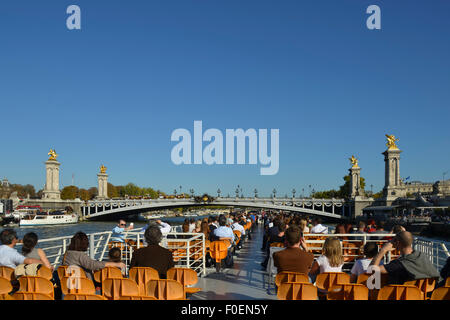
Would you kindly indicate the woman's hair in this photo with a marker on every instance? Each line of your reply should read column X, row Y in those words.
column 205, row 228
column 340, row 228
column 115, row 255
column 303, row 223
column 333, row 251
column 153, row 235
column 198, row 224
column 79, row 242
column 29, row 240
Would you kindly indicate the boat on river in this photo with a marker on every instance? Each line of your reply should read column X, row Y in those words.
column 46, row 218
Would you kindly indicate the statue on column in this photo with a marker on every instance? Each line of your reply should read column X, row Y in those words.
column 354, row 161
column 102, row 169
column 391, row 140
column 52, row 154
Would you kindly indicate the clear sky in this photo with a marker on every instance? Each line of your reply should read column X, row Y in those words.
column 113, row 92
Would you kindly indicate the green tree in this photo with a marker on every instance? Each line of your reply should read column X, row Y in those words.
column 112, row 191
column 69, row 193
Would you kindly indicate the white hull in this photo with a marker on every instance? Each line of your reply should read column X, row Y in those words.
column 45, row 220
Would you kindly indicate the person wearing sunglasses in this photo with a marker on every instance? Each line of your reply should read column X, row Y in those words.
column 118, row 231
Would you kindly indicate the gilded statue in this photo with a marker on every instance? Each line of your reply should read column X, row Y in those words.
column 391, row 140
column 52, row 155
column 354, row 161
column 102, row 169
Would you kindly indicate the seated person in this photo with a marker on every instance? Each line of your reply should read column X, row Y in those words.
column 445, row 272
column 295, row 257
column 360, row 266
column 331, row 259
column 118, row 231
column 115, row 255
column 9, row 256
column 153, row 255
column 225, row 233
column 318, row 227
column 411, row 265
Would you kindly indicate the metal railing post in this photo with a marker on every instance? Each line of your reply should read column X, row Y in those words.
column 91, row 246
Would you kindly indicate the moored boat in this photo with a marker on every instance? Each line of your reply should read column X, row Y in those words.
column 55, row 218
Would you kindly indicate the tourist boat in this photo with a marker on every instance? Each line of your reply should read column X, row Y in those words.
column 55, row 218
column 155, row 216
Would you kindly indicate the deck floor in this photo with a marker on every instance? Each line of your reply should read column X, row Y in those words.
column 245, row 281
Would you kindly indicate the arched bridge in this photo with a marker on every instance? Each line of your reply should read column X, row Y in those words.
column 100, row 209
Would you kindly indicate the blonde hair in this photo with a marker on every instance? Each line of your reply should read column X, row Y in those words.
column 333, row 251
column 303, row 223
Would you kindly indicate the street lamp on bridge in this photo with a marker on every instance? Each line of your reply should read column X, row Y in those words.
column 218, row 193
column 192, row 192
column 256, row 193
column 293, row 193
column 274, row 191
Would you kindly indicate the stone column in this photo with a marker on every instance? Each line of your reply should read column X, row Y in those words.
column 393, row 186
column 102, row 185
column 355, row 181
column 51, row 189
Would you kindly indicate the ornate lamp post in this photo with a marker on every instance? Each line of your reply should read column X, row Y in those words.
column 293, row 193
column 192, row 192
column 237, row 192
column 175, row 192
column 274, row 191
column 218, row 193
column 256, row 193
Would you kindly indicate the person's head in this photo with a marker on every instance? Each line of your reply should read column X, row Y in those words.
column 293, row 235
column 403, row 240
column 204, row 228
column 332, row 249
column 317, row 221
column 115, row 255
column 222, row 220
column 122, row 223
column 361, row 225
column 192, row 221
column 79, row 242
column 348, row 228
column 153, row 235
column 380, row 225
column 370, row 249
column 281, row 227
column 340, row 229
column 198, row 224
column 8, row 237
column 397, row 229
column 29, row 241
column 303, row 223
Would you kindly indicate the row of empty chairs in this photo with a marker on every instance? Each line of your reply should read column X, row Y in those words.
column 337, row 286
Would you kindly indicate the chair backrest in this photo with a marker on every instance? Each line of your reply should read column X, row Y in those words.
column 72, row 296
column 31, row 296
column 185, row 276
column 140, row 297
column 425, row 285
column 442, row 293
column 297, row 291
column 44, row 272
column 351, row 250
column 238, row 235
column 76, row 285
column 165, row 289
column 362, row 279
column 327, row 280
column 400, row 292
column 351, row 291
column 218, row 250
column 7, row 273
column 5, row 286
column 67, row 271
column 287, row 276
column 141, row 275
column 35, row 284
column 115, row 288
column 106, row 273
column 447, row 282
column 277, row 244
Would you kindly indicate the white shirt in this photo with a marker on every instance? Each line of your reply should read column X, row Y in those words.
column 360, row 266
column 191, row 227
column 319, row 229
column 165, row 228
column 238, row 227
column 10, row 257
column 324, row 265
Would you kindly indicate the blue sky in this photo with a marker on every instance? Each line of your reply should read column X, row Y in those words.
column 113, row 92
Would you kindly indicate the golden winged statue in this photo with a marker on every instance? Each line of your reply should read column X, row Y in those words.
column 354, row 161
column 102, row 169
column 52, row 154
column 391, row 140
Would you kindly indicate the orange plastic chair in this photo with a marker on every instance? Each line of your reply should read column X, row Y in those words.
column 137, row 298
column 78, row 296
column 442, row 293
column 447, row 282
column 165, row 289
column 70, row 271
column 7, row 273
column 277, row 244
column 351, row 250
column 74, row 285
column 351, row 291
column 297, row 291
column 218, row 251
column 400, row 292
column 373, row 293
column 106, row 273
column 326, row 280
column 5, row 288
column 35, row 284
column 115, row 288
column 141, row 275
column 187, row 277
column 238, row 235
column 425, row 285
column 44, row 272
column 288, row 276
column 31, row 296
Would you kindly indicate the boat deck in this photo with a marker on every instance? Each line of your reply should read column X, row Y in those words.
column 246, row 280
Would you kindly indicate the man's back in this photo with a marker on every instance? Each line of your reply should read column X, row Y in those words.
column 153, row 256
column 9, row 257
column 293, row 259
